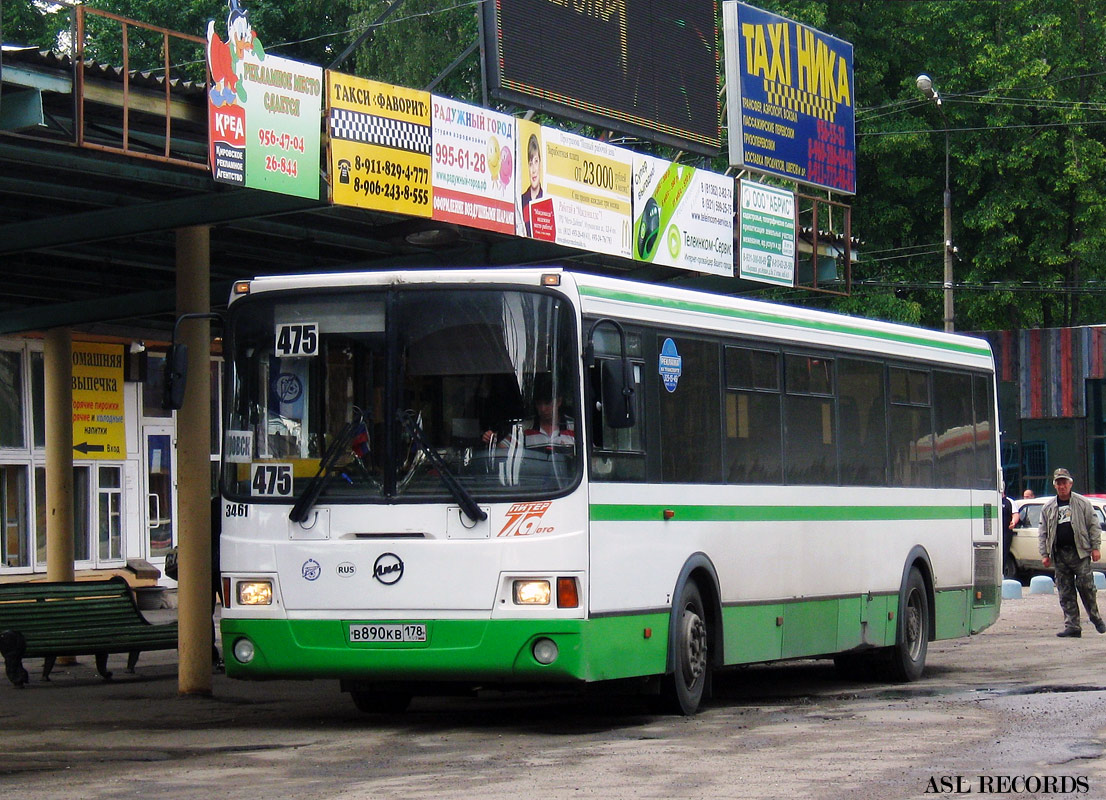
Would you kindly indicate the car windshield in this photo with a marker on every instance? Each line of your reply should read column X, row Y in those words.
column 392, row 394
column 1029, row 514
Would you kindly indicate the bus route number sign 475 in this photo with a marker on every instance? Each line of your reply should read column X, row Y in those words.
column 387, row 633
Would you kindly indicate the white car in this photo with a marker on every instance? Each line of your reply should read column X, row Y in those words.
column 1023, row 547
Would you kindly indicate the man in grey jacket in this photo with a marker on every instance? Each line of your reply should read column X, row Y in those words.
column 1069, row 538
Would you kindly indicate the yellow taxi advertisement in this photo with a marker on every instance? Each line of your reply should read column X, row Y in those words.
column 380, row 145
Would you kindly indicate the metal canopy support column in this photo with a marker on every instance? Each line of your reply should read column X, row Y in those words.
column 195, row 590
column 58, row 391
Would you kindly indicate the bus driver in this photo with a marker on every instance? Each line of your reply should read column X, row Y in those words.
column 548, row 431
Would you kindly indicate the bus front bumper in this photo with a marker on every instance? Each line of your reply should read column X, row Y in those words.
column 500, row 650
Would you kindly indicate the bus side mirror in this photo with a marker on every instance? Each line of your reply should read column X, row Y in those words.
column 176, row 364
column 176, row 377
column 618, row 393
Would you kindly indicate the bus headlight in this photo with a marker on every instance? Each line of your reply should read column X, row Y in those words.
column 244, row 651
column 255, row 593
column 532, row 593
column 545, row 651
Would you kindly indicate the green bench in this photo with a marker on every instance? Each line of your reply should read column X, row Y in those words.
column 80, row 618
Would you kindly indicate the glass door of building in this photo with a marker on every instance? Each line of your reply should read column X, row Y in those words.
column 160, row 485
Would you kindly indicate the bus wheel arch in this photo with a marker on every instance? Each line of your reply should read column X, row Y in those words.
column 919, row 559
column 694, row 637
column 915, row 624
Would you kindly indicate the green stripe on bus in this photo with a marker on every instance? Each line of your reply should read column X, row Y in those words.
column 620, row 512
column 605, row 648
column 778, row 319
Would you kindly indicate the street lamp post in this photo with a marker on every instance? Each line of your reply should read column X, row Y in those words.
column 925, row 85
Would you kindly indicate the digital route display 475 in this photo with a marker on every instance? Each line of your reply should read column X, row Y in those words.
column 644, row 67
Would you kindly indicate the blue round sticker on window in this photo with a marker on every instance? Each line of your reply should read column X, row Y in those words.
column 671, row 365
column 287, row 387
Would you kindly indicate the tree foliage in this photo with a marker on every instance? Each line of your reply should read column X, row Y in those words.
column 1023, row 102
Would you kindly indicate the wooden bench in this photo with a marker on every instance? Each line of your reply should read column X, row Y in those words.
column 47, row 620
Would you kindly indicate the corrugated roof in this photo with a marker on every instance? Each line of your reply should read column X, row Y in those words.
column 150, row 79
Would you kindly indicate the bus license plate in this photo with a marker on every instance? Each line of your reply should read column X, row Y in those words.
column 359, row 632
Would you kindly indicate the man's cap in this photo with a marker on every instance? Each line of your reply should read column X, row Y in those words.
column 1061, row 475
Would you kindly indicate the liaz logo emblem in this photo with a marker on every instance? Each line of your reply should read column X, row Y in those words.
column 388, row 568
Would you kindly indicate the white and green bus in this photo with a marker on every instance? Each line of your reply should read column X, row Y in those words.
column 515, row 477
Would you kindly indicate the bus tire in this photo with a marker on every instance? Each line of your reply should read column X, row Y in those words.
column 908, row 655
column 375, row 702
column 683, row 689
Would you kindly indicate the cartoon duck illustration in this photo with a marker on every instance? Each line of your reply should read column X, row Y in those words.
column 227, row 88
column 240, row 34
column 224, row 80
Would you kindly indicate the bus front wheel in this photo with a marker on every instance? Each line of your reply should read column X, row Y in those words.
column 908, row 656
column 683, row 689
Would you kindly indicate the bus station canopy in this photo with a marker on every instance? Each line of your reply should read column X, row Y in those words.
column 87, row 228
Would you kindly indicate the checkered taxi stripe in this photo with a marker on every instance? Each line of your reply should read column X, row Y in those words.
column 356, row 126
column 801, row 102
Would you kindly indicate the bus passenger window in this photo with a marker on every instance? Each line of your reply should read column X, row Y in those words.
column 752, row 416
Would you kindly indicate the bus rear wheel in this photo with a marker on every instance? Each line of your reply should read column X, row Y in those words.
column 682, row 691
column 908, row 656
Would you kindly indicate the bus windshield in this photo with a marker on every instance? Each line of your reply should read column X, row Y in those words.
column 374, row 394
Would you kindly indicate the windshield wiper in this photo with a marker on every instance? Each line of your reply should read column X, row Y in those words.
column 316, row 485
column 464, row 499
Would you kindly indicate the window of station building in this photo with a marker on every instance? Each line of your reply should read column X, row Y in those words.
column 11, row 399
column 38, row 397
column 954, row 430
column 82, row 526
column 689, row 414
column 911, row 434
column 752, row 416
column 810, row 441
column 15, row 545
column 109, row 514
column 862, row 422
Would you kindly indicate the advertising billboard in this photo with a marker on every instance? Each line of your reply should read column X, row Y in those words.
column 644, row 67
column 97, row 382
column 791, row 111
column 683, row 216
column 263, row 114
column 380, row 149
column 573, row 191
column 473, row 172
column 766, row 234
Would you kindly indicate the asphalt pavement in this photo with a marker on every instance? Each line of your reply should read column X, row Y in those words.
column 1014, row 701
